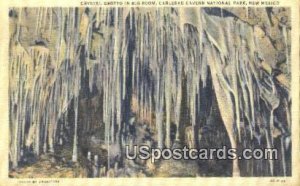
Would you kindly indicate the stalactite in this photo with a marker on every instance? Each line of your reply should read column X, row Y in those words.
column 75, row 142
column 173, row 49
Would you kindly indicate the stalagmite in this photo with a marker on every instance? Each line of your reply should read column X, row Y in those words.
column 96, row 167
column 89, row 156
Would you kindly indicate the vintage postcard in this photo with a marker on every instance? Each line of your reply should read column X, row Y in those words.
column 150, row 92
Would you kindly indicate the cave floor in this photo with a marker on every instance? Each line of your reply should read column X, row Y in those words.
column 59, row 165
column 50, row 166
